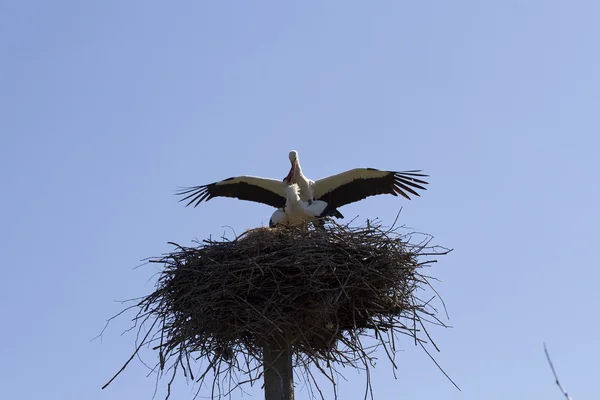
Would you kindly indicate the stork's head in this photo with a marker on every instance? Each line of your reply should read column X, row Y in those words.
column 289, row 179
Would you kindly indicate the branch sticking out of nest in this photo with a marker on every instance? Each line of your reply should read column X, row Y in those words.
column 319, row 290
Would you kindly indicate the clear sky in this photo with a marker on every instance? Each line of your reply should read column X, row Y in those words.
column 107, row 107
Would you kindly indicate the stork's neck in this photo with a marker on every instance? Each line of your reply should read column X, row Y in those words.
column 293, row 203
column 298, row 171
column 306, row 190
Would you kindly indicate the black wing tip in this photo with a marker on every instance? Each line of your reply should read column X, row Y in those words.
column 198, row 194
column 412, row 172
column 398, row 191
column 409, row 177
column 415, row 172
column 406, row 181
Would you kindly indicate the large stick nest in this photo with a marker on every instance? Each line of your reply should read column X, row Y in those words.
column 319, row 289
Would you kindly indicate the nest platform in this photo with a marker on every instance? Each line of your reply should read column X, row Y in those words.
column 321, row 291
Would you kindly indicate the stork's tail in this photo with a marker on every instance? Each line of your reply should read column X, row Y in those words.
column 332, row 212
column 337, row 214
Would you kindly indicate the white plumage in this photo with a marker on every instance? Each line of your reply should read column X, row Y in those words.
column 297, row 211
column 296, row 176
column 328, row 193
column 353, row 185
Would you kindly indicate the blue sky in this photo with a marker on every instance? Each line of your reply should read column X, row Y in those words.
column 108, row 107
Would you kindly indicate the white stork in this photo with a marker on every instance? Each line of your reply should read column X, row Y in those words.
column 252, row 188
column 353, row 185
column 297, row 211
column 336, row 190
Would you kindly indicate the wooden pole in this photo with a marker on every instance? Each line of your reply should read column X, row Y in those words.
column 279, row 377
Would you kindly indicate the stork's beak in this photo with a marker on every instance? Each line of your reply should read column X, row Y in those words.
column 290, row 175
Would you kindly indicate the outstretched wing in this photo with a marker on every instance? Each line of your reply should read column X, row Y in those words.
column 250, row 188
column 360, row 183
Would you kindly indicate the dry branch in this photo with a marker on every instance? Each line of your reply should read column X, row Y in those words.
column 323, row 290
column 564, row 392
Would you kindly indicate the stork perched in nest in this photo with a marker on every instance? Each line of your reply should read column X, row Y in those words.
column 335, row 191
column 297, row 211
